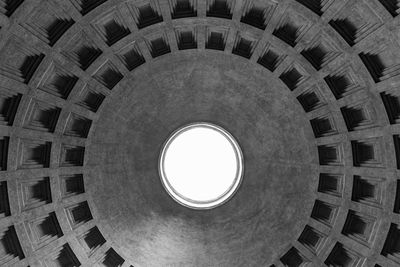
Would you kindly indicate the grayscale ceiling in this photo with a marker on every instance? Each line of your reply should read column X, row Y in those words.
column 91, row 89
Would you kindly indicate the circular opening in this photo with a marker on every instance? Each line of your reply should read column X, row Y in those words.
column 201, row 166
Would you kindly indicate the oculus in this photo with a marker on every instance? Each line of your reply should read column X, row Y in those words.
column 201, row 165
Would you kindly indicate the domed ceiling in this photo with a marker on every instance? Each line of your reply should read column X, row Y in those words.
column 91, row 89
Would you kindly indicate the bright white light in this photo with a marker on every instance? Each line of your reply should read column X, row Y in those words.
column 201, row 165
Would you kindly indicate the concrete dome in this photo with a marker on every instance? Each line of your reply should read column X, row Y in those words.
column 91, row 89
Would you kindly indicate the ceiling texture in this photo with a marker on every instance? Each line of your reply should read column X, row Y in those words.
column 91, row 89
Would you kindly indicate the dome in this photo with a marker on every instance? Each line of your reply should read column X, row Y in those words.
column 304, row 93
